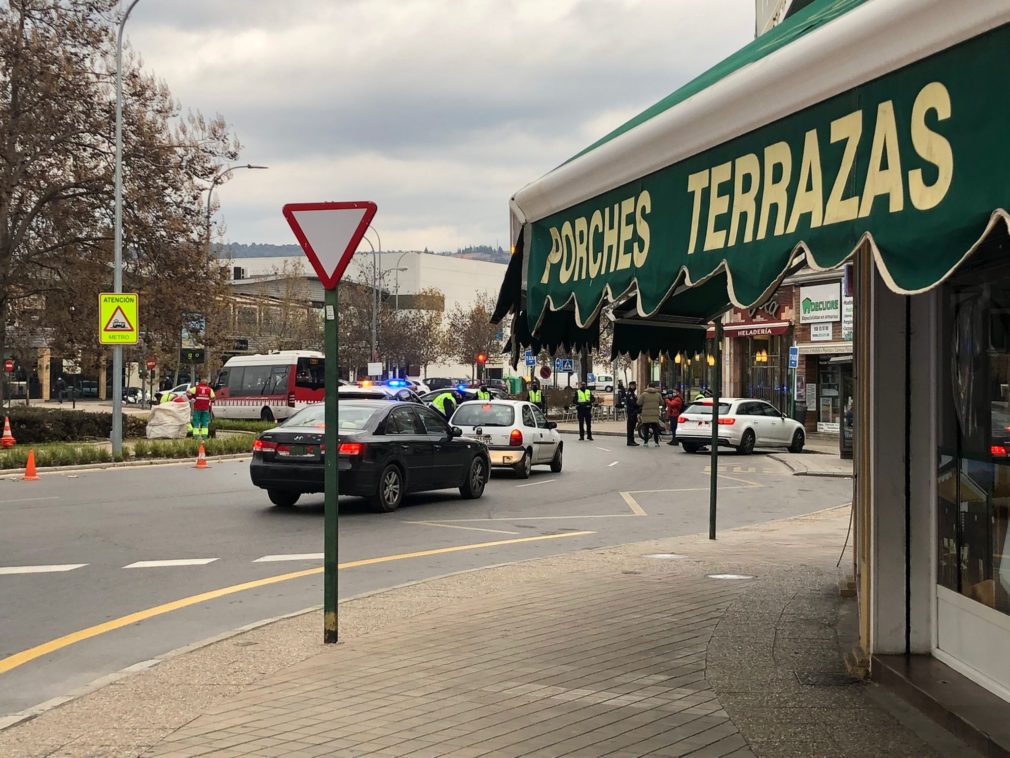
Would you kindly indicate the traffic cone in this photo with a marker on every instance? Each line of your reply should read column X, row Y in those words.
column 31, row 475
column 8, row 439
column 201, row 457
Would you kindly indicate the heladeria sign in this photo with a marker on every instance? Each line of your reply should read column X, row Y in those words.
column 820, row 303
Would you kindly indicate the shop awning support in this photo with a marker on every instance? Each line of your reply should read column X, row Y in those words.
column 713, row 488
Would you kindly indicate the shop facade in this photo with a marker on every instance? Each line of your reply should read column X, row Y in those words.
column 868, row 135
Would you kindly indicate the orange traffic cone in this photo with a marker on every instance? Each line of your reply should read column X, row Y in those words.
column 8, row 439
column 201, row 458
column 31, row 475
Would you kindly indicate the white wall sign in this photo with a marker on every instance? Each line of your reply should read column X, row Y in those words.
column 375, row 369
column 821, row 332
column 820, row 303
column 847, row 321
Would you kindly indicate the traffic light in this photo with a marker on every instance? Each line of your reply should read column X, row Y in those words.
column 481, row 358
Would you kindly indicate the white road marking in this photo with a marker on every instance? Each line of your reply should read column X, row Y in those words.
column 604, row 449
column 40, row 569
column 455, row 526
column 31, row 499
column 290, row 557
column 609, row 465
column 176, row 562
column 534, row 484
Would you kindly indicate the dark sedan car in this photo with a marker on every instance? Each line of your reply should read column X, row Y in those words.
column 387, row 450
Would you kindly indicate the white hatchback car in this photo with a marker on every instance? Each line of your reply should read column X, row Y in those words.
column 517, row 434
column 744, row 423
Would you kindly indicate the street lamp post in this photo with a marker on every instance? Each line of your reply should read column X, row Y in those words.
column 398, row 269
column 117, row 269
column 210, row 192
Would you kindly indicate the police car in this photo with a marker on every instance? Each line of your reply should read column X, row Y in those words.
column 517, row 434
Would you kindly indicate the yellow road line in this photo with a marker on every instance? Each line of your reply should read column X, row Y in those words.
column 633, row 504
column 25, row 656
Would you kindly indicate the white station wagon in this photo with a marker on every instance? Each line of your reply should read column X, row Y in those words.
column 517, row 434
column 744, row 423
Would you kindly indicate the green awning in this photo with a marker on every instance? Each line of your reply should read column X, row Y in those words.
column 853, row 123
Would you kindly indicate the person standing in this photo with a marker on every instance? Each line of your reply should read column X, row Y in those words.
column 61, row 389
column 631, row 408
column 536, row 395
column 651, row 403
column 482, row 392
column 203, row 397
column 674, row 407
column 584, row 410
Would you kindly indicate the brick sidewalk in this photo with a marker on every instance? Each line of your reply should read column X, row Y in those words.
column 603, row 652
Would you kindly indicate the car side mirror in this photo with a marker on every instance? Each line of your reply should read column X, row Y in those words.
column 455, row 431
column 552, row 425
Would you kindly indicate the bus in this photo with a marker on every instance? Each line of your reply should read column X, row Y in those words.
column 269, row 387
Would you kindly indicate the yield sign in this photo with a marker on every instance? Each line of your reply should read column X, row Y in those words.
column 329, row 234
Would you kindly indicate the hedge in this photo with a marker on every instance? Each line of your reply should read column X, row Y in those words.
column 64, row 454
column 188, row 448
column 58, row 454
column 241, row 425
column 32, row 426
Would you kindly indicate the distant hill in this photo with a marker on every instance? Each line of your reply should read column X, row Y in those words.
column 258, row 250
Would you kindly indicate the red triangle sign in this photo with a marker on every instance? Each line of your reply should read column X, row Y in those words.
column 329, row 233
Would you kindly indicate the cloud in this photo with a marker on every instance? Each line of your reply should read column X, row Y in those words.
column 437, row 109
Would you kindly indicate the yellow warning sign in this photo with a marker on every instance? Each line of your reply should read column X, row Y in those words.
column 117, row 318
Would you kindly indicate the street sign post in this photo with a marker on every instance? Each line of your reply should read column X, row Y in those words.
column 117, row 318
column 530, row 358
column 794, row 356
column 329, row 233
column 9, row 365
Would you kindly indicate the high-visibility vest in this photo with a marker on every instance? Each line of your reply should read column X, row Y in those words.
column 583, row 396
column 483, row 395
column 439, row 402
column 203, row 394
column 536, row 395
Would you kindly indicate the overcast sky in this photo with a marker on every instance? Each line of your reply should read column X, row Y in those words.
column 438, row 110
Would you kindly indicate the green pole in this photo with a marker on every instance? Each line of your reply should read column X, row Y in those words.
column 713, row 489
column 330, row 460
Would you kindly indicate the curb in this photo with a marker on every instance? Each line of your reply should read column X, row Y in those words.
column 799, row 469
column 11, row 473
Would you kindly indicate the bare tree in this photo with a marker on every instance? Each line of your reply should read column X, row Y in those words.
column 470, row 331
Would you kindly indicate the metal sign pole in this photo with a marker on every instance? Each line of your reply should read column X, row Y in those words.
column 713, row 490
column 330, row 460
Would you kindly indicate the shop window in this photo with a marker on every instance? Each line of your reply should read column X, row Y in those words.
column 973, row 478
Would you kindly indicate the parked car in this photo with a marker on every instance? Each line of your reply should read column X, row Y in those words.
column 443, row 382
column 517, row 434
column 744, row 423
column 386, row 450
column 497, row 387
column 179, row 389
column 87, row 388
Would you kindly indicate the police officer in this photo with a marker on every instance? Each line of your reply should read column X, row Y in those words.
column 536, row 395
column 584, row 410
column 445, row 403
column 631, row 407
column 482, row 392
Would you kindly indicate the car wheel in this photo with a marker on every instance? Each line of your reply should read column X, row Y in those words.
column 797, row 444
column 556, row 462
column 283, row 498
column 525, row 466
column 689, row 447
column 746, row 446
column 389, row 491
column 266, row 415
column 476, row 479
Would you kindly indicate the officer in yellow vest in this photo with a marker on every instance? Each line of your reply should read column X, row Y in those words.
column 536, row 395
column 584, row 410
column 445, row 404
column 482, row 392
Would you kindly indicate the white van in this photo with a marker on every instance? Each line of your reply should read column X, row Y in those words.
column 271, row 386
column 601, row 383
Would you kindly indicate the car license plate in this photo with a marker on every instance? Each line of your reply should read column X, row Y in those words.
column 485, row 438
column 302, row 451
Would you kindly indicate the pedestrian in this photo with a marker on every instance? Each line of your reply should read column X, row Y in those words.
column 651, row 403
column 631, row 407
column 536, row 395
column 203, row 397
column 584, row 410
column 61, row 389
column 621, row 392
column 674, row 407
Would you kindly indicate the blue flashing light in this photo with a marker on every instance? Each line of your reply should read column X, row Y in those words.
column 462, row 387
column 396, row 383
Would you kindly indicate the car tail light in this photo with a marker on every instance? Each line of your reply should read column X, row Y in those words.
column 352, row 448
column 263, row 446
column 516, row 438
column 727, row 421
column 682, row 420
column 291, row 400
column 998, row 451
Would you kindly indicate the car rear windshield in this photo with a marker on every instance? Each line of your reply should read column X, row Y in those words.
column 484, row 414
column 706, row 410
column 352, row 417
